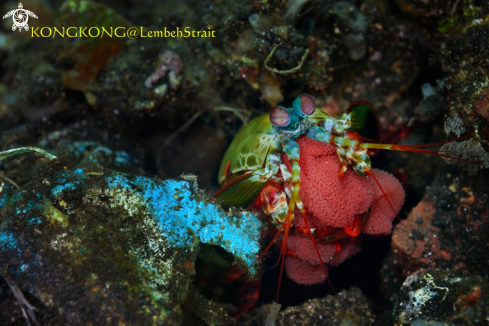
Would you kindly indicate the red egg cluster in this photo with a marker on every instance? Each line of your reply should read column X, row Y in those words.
column 334, row 201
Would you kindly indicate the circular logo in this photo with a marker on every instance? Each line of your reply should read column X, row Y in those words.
column 20, row 18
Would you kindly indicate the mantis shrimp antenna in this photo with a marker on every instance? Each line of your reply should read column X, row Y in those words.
column 418, row 148
column 317, row 250
column 283, row 249
column 370, row 173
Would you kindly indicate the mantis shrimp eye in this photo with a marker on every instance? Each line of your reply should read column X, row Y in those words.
column 279, row 116
column 307, row 104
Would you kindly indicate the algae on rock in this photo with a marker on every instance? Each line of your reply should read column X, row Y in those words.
column 102, row 246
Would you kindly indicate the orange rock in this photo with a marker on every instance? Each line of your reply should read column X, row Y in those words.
column 415, row 242
column 482, row 105
column 473, row 296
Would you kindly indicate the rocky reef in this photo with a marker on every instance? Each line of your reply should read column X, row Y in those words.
column 440, row 246
column 106, row 223
column 348, row 307
column 95, row 245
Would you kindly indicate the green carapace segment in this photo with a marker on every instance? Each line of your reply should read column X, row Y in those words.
column 241, row 192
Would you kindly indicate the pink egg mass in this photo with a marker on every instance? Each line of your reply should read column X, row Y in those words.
column 334, row 201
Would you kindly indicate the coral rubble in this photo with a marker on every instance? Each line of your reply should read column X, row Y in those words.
column 348, row 307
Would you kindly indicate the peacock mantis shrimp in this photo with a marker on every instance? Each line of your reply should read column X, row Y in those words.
column 254, row 174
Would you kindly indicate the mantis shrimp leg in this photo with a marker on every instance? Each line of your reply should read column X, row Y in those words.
column 293, row 152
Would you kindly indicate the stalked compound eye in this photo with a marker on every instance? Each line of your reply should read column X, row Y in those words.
column 279, row 116
column 307, row 104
